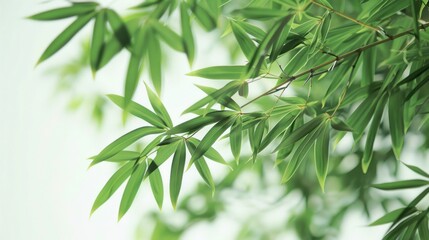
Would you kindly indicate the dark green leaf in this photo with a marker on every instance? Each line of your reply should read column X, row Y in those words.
column 188, row 38
column 414, row 183
column 235, row 138
column 388, row 217
column 64, row 12
column 176, row 175
column 417, row 170
column 204, row 17
column 321, row 155
column 211, row 153
column 220, row 72
column 119, row 28
column 132, row 188
column 340, row 125
column 396, row 122
column 244, row 41
column 169, row 36
column 97, row 40
column 159, row 107
column 157, row 187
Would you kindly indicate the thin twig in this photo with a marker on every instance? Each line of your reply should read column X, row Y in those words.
column 340, row 57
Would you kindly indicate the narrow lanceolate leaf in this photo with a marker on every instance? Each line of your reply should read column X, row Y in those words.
column 244, row 89
column 157, row 187
column 188, row 38
column 253, row 30
column 97, row 40
column 301, row 153
column 119, row 28
column 162, row 154
column 279, row 128
column 367, row 155
column 111, row 48
column 138, row 111
column 204, row 17
column 210, row 138
column 225, row 101
column 424, row 228
column 414, row 183
column 176, row 175
column 124, row 141
column 170, row 37
column 235, row 137
column 220, row 72
column 417, row 170
column 132, row 188
column 261, row 13
column 211, row 153
column 388, row 217
column 158, row 106
column 135, row 66
column 64, row 12
column 244, row 41
column 205, row 173
column 199, row 122
column 301, row 132
column 396, row 122
column 65, row 36
column 369, row 65
column 112, row 185
column 121, row 156
column 321, row 155
column 154, row 57
column 415, row 12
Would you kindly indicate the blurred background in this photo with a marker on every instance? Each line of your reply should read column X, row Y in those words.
column 54, row 117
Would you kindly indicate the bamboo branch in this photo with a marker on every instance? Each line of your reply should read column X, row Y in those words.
column 339, row 58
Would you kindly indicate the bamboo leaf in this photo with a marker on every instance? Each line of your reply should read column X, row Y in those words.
column 367, row 155
column 224, row 101
column 396, row 122
column 414, row 183
column 220, row 72
column 279, row 128
column 124, row 141
column 261, row 13
column 205, row 173
column 119, row 28
column 64, row 12
column 131, row 188
column 388, row 217
column 417, row 170
column 188, row 38
column 244, row 41
column 138, row 111
column 111, row 47
column 211, row 153
column 340, row 125
column 199, row 122
column 112, row 185
column 162, row 154
column 204, row 17
column 176, row 175
column 171, row 38
column 97, row 40
column 235, row 138
column 155, row 61
column 121, row 156
column 321, row 155
column 424, row 228
column 253, row 30
column 159, row 108
column 65, row 36
column 157, row 187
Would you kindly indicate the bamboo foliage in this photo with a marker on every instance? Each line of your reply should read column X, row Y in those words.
column 354, row 66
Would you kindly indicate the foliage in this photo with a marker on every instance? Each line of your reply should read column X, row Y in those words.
column 354, row 68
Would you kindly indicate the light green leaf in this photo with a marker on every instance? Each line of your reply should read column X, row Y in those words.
column 417, row 170
column 162, row 154
column 65, row 36
column 235, row 138
column 119, row 28
column 97, row 40
column 64, row 12
column 199, row 122
column 244, row 41
column 244, row 89
column 124, row 141
column 205, row 173
column 279, row 128
column 176, row 175
column 220, row 72
column 369, row 64
column 261, row 13
column 253, row 30
column 369, row 144
column 211, row 153
column 170, row 37
column 204, row 17
column 321, row 155
column 138, row 111
column 155, row 61
column 157, row 187
column 188, row 38
column 158, row 106
column 132, row 188
column 414, row 183
column 388, row 217
column 112, row 185
column 121, row 156
column 225, row 101
column 396, row 122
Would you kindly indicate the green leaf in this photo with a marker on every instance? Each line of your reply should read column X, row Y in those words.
column 210, row 138
column 211, row 153
column 176, row 175
column 244, row 41
column 388, row 217
column 235, row 138
column 112, row 185
column 138, row 111
column 279, row 128
column 301, row 132
column 162, row 154
column 204, row 17
column 244, row 89
column 111, row 47
column 396, row 122
column 188, row 38
column 124, row 141
column 220, row 72
column 159, row 108
column 369, row 65
column 413, row 75
column 135, row 66
column 424, row 228
column 253, row 30
column 65, row 36
column 300, row 153
column 131, row 188
column 119, row 28
column 367, row 155
column 340, row 125
column 414, row 183
column 199, row 122
column 201, row 166
column 155, row 61
column 121, row 156
column 157, row 187
column 321, row 155
column 97, row 40
column 417, row 170
column 261, row 13
column 64, row 12
column 225, row 101
column 170, row 37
